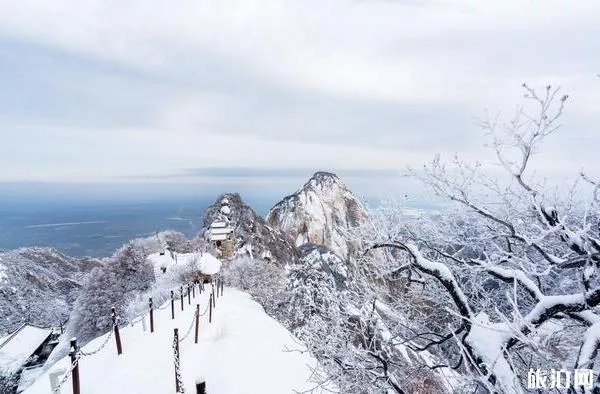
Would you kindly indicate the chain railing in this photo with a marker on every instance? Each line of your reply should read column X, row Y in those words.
column 189, row 329
column 139, row 319
column 110, row 334
column 77, row 353
column 65, row 377
column 205, row 309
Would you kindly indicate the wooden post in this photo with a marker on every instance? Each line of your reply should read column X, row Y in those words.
column 151, row 316
column 197, row 320
column 214, row 302
column 117, row 334
column 189, row 299
column 210, row 306
column 181, row 296
column 222, row 287
column 200, row 387
column 172, row 305
column 176, row 340
column 194, row 290
column 75, row 376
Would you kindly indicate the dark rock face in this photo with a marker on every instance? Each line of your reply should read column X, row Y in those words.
column 321, row 212
column 39, row 286
column 253, row 236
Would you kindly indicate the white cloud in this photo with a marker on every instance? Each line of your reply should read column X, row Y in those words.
column 149, row 152
column 191, row 112
column 339, row 47
column 453, row 56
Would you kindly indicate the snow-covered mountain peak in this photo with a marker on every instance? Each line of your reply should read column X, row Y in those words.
column 320, row 212
column 253, row 237
column 324, row 181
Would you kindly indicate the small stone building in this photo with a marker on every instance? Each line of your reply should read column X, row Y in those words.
column 222, row 238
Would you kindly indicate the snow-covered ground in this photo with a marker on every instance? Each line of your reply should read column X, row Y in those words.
column 242, row 351
column 209, row 264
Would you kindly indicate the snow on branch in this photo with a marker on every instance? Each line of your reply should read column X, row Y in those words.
column 438, row 270
column 518, row 264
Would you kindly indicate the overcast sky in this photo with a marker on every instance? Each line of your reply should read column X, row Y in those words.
column 250, row 91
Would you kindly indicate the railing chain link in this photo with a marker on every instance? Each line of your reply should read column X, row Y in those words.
column 110, row 334
column 67, row 374
column 189, row 329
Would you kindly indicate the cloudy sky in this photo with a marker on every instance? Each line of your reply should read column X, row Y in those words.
column 255, row 91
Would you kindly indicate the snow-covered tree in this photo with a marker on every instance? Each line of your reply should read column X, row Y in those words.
column 339, row 316
column 177, row 242
column 130, row 265
column 9, row 381
column 123, row 276
column 264, row 281
column 198, row 243
column 509, row 281
column 314, row 290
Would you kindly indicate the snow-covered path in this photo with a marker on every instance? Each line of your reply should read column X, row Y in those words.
column 242, row 351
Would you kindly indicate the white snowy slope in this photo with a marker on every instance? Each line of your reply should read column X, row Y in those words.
column 320, row 212
column 242, row 351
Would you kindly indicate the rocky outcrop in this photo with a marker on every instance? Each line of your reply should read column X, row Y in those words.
column 321, row 212
column 321, row 258
column 253, row 237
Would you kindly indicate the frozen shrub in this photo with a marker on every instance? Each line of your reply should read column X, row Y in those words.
column 264, row 281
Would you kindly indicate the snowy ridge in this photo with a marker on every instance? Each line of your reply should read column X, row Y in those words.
column 320, row 212
column 38, row 285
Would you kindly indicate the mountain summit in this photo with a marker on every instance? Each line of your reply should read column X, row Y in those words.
column 320, row 212
column 253, row 237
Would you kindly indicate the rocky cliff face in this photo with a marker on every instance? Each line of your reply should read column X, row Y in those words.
column 39, row 286
column 320, row 212
column 253, row 236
